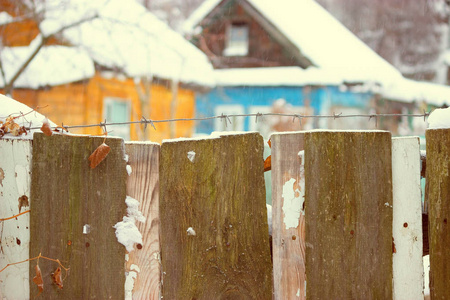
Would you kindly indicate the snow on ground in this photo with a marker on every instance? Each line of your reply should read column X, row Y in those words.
column 439, row 118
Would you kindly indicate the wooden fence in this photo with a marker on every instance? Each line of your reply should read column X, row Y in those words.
column 346, row 217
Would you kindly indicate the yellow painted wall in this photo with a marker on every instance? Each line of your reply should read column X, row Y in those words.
column 82, row 103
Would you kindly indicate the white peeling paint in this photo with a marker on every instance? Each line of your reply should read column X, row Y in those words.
column 129, row 170
column 292, row 204
column 135, row 268
column 298, row 293
column 407, row 219
column 129, row 284
column 86, row 229
column 15, row 160
column 191, row 156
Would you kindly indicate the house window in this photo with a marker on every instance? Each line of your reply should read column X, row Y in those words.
column 237, row 40
column 117, row 110
column 237, row 123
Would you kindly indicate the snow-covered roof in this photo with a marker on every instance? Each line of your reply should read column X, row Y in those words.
column 275, row 76
column 318, row 36
column 53, row 65
column 408, row 90
column 126, row 36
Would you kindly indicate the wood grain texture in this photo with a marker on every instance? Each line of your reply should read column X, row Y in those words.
column 287, row 202
column 66, row 195
column 221, row 195
column 143, row 185
column 348, row 215
column 438, row 180
column 15, row 180
column 407, row 219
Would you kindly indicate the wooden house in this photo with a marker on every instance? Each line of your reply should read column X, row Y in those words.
column 98, row 61
column 265, row 50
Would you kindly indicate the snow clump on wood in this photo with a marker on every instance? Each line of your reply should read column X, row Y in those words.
column 126, row 231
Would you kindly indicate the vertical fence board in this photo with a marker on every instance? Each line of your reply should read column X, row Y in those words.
column 288, row 221
column 15, row 179
column 438, row 181
column 348, row 215
column 407, row 219
column 143, row 185
column 216, row 187
column 67, row 195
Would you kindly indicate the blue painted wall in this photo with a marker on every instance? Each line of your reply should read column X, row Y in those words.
column 320, row 99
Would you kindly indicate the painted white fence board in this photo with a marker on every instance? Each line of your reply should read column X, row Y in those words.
column 15, row 180
column 407, row 219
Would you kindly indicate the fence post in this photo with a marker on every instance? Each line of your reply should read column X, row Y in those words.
column 15, row 179
column 214, row 233
column 348, row 215
column 143, row 185
column 438, row 181
column 288, row 220
column 407, row 219
column 73, row 211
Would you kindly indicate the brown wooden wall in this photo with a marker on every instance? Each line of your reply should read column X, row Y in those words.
column 264, row 51
column 82, row 103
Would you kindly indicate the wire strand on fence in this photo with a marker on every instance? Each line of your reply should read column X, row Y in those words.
column 227, row 119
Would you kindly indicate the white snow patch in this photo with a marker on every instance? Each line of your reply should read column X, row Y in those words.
column 126, row 157
column 191, row 156
column 53, row 65
column 298, row 293
column 292, row 204
column 439, row 118
column 11, row 107
column 129, row 170
column 126, row 231
column 190, row 231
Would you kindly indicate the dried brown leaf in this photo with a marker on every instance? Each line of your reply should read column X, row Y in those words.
column 57, row 279
column 268, row 163
column 46, row 129
column 38, row 279
column 14, row 129
column 99, row 155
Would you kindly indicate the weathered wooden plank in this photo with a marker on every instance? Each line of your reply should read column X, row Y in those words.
column 214, row 233
column 15, row 179
column 143, row 185
column 438, row 180
column 67, row 195
column 288, row 219
column 348, row 213
column 407, row 219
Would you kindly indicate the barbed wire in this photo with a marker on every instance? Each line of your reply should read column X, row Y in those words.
column 227, row 119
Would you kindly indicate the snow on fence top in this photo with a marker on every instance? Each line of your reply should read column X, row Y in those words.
column 439, row 118
column 10, row 107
